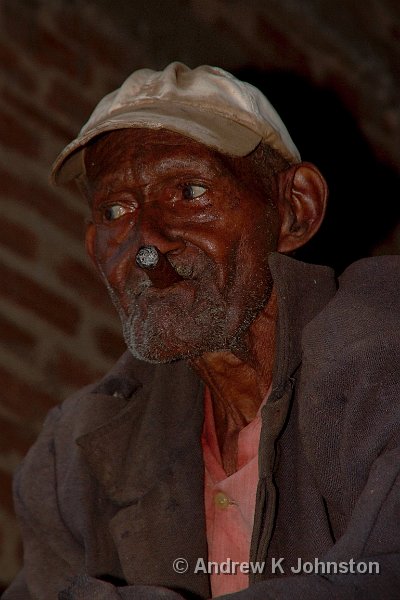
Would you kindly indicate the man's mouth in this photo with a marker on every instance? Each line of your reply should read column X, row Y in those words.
column 147, row 289
column 159, row 269
column 189, row 275
column 184, row 271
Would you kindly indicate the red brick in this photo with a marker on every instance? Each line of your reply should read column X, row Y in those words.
column 19, row 22
column 95, row 44
column 85, row 281
column 46, row 202
column 50, row 51
column 45, row 303
column 14, row 134
column 279, row 46
column 111, row 344
column 39, row 44
column 15, row 338
column 26, row 401
column 69, row 370
column 110, row 52
column 14, row 70
column 15, row 438
column 6, row 499
column 41, row 117
column 18, row 238
column 70, row 104
column 227, row 29
column 71, row 24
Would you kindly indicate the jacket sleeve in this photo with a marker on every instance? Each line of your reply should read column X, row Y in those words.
column 54, row 560
column 372, row 538
column 51, row 554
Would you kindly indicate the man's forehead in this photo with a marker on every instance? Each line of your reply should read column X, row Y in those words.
column 148, row 148
column 140, row 136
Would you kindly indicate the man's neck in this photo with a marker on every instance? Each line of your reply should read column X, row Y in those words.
column 239, row 381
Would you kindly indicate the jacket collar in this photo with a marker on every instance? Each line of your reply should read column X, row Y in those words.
column 150, row 433
column 148, row 459
column 302, row 291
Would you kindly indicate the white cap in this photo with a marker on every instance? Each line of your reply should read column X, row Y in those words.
column 206, row 104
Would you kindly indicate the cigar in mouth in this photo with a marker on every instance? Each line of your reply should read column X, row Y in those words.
column 158, row 268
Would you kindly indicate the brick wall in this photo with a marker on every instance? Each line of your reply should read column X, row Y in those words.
column 57, row 59
column 57, row 327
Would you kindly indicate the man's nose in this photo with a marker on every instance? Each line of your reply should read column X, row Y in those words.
column 152, row 228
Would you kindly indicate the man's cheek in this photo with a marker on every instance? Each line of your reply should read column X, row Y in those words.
column 109, row 257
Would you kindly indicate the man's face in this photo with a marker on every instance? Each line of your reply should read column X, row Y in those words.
column 206, row 213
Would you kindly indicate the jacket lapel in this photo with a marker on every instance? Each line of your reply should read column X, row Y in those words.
column 148, row 458
column 302, row 291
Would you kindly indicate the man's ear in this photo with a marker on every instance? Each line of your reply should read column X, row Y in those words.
column 303, row 194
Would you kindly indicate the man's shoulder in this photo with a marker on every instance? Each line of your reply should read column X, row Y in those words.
column 366, row 304
column 351, row 351
column 87, row 410
column 93, row 405
column 375, row 280
column 350, row 380
column 124, row 387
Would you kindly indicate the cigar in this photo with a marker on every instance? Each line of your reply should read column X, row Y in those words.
column 158, row 268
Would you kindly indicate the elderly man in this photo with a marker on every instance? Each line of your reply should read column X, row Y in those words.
column 246, row 445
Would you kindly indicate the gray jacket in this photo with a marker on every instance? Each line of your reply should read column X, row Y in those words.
column 112, row 491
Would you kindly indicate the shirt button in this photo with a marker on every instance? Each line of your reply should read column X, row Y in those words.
column 221, row 500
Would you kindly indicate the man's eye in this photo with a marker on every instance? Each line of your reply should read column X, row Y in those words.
column 111, row 213
column 193, row 191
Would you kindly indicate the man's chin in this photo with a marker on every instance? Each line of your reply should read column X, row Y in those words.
column 162, row 345
column 162, row 330
column 154, row 354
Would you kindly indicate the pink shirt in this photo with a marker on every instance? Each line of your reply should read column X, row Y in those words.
column 229, row 501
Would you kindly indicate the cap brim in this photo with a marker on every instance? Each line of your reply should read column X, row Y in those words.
column 213, row 130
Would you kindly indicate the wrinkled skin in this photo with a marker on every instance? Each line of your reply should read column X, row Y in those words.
column 211, row 218
column 221, row 239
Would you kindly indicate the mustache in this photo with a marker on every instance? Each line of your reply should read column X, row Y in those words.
column 202, row 268
column 183, row 270
column 135, row 289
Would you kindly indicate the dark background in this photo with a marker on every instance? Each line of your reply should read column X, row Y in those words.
column 364, row 192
